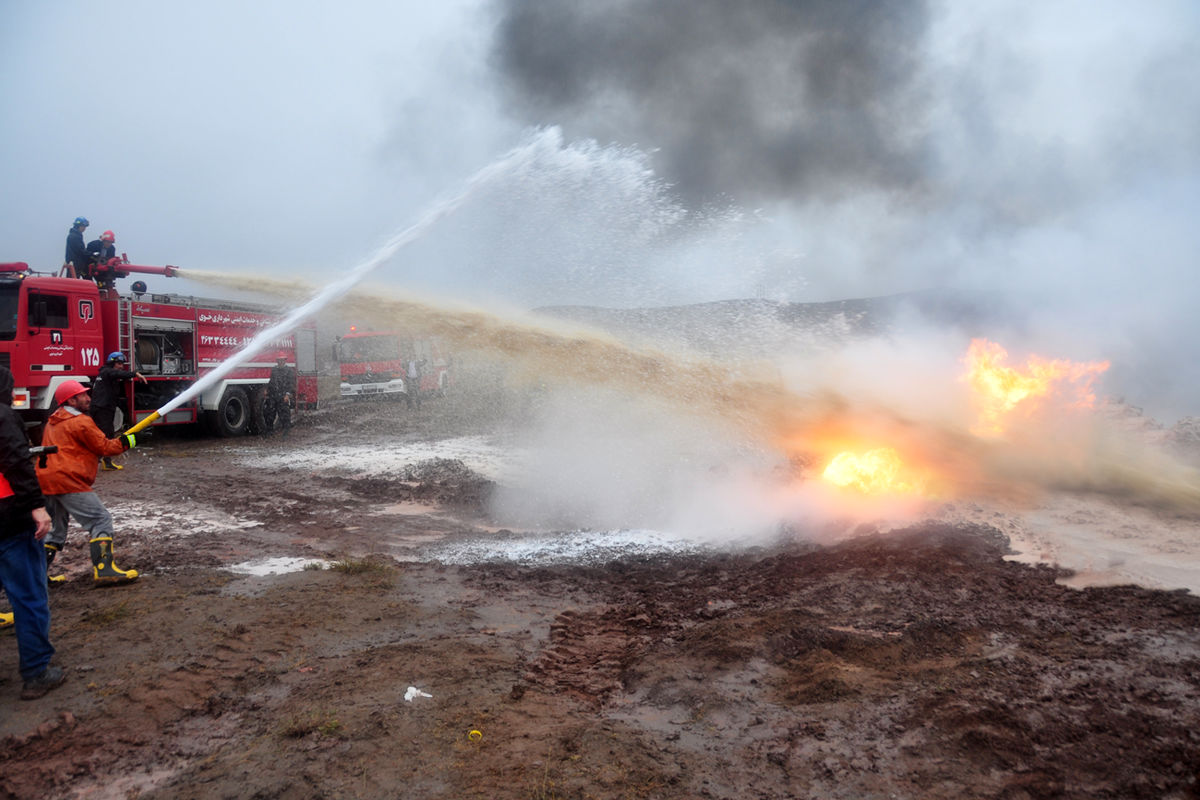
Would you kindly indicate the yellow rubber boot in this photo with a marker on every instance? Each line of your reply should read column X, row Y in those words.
column 104, row 571
column 6, row 620
column 51, row 552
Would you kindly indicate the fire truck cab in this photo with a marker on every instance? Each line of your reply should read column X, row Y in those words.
column 55, row 329
column 376, row 363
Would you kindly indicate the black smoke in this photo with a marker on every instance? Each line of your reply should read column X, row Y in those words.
column 749, row 100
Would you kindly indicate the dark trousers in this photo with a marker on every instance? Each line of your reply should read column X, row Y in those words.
column 104, row 416
column 23, row 576
column 278, row 414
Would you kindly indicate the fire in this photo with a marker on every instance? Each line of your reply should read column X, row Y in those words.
column 875, row 471
column 1000, row 389
column 876, row 453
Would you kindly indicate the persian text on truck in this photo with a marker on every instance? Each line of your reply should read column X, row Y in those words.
column 55, row 329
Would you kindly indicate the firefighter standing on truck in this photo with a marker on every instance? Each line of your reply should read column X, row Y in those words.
column 101, row 251
column 107, row 393
column 69, row 474
column 76, row 261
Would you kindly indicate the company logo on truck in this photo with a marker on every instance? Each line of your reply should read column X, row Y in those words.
column 87, row 312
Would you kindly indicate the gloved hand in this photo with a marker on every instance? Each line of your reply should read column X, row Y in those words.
column 130, row 440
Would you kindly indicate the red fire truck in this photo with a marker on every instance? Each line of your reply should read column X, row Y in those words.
column 55, row 329
column 376, row 363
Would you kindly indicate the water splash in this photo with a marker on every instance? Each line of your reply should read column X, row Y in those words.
column 504, row 166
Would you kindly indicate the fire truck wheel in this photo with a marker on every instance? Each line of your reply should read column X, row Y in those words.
column 233, row 412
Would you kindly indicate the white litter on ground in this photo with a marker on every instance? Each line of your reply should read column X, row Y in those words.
column 414, row 692
column 279, row 565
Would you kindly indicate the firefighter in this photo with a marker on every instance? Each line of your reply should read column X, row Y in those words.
column 281, row 396
column 101, row 250
column 23, row 521
column 76, row 263
column 69, row 474
column 107, row 393
column 413, row 371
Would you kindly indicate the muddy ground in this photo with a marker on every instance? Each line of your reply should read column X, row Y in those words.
column 915, row 664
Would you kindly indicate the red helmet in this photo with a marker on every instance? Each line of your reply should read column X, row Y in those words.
column 68, row 389
column 108, row 236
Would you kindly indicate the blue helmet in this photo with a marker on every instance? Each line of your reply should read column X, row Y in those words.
column 82, row 221
column 116, row 355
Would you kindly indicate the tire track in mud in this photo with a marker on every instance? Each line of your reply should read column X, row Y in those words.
column 589, row 653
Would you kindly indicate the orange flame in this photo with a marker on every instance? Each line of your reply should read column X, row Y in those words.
column 875, row 471
column 1000, row 389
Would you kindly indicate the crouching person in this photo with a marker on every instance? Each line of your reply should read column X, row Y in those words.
column 68, row 476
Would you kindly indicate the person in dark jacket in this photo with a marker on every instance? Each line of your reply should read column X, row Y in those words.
column 76, row 263
column 23, row 521
column 108, row 392
column 101, row 250
column 281, row 396
column 102, row 258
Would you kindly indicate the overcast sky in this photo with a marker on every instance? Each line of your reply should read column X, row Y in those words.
column 801, row 150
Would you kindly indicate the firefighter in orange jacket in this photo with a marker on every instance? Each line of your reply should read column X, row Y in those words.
column 68, row 476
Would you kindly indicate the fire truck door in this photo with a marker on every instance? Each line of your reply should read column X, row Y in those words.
column 64, row 334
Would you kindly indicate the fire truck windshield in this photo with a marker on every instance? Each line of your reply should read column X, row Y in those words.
column 368, row 348
column 10, row 294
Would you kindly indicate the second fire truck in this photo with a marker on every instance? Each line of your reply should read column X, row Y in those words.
column 375, row 363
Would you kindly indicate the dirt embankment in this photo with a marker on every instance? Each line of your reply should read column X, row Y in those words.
column 919, row 664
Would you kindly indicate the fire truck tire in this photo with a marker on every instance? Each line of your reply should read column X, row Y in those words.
column 233, row 412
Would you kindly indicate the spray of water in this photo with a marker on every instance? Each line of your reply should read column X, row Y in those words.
column 332, row 291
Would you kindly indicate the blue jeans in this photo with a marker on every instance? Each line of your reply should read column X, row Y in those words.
column 23, row 576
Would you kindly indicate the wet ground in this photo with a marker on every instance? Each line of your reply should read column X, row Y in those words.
column 916, row 663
